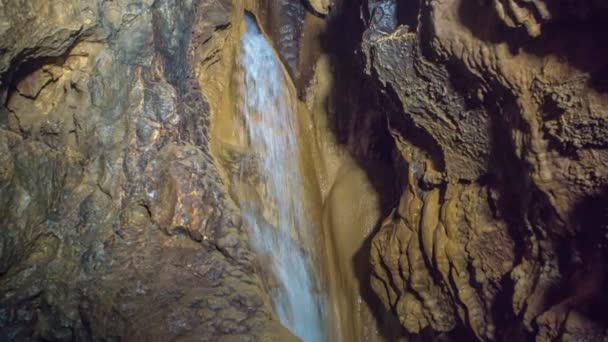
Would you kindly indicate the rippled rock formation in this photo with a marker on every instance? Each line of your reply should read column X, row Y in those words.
column 502, row 226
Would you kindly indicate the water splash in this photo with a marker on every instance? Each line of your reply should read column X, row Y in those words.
column 272, row 126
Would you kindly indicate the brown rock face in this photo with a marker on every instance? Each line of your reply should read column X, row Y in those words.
column 115, row 222
column 501, row 228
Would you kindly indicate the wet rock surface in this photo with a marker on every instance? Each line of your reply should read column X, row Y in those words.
column 115, row 223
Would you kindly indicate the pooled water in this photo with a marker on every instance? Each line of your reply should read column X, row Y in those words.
column 272, row 126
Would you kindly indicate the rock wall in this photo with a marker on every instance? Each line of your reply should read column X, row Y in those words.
column 116, row 224
column 498, row 109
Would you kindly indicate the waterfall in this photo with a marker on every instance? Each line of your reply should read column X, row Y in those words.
column 287, row 243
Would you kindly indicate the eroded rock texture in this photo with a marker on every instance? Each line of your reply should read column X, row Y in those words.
column 115, row 224
column 499, row 110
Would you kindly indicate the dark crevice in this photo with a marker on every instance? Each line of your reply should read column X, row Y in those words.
column 408, row 12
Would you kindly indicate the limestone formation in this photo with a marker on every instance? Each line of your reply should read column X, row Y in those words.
column 501, row 134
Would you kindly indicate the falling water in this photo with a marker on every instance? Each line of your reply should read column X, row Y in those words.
column 272, row 126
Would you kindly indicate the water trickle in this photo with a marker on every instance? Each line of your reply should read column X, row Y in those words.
column 286, row 242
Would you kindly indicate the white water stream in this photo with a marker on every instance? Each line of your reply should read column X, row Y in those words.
column 272, row 126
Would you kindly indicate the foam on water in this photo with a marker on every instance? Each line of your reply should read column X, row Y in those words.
column 272, row 126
